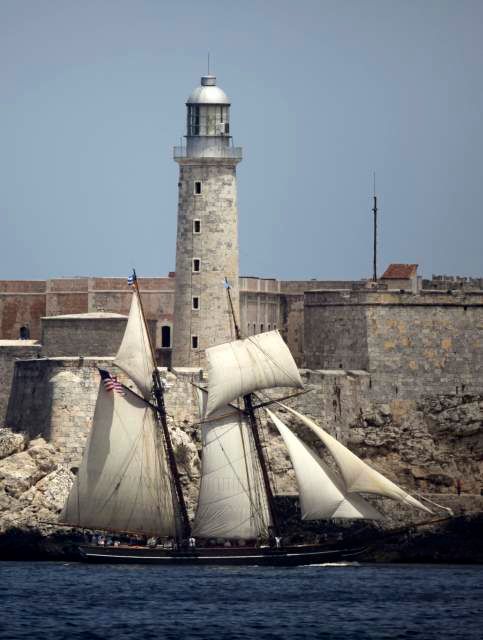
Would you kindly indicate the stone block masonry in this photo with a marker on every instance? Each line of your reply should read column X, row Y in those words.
column 10, row 351
column 424, row 446
column 412, row 345
column 206, row 254
column 55, row 398
column 89, row 334
column 25, row 303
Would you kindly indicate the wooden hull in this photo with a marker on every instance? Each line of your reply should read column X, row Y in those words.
column 238, row 556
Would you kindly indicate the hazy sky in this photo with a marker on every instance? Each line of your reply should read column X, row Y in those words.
column 92, row 99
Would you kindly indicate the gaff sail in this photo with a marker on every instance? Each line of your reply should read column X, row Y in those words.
column 357, row 475
column 232, row 501
column 240, row 367
column 321, row 493
column 134, row 356
column 123, row 482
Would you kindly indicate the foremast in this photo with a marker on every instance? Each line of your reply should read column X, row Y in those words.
column 252, row 419
column 185, row 528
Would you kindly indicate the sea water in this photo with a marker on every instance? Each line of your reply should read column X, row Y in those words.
column 54, row 600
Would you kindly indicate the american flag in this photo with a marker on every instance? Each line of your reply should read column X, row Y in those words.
column 111, row 383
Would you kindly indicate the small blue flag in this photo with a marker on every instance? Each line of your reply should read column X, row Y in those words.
column 131, row 279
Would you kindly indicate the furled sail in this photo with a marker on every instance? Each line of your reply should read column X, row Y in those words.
column 358, row 476
column 321, row 492
column 134, row 356
column 123, row 482
column 243, row 366
column 232, row 501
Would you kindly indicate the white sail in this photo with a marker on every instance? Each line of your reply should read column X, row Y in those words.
column 321, row 493
column 358, row 476
column 232, row 501
column 123, row 482
column 134, row 355
column 240, row 367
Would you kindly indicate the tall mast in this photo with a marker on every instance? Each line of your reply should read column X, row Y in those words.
column 374, row 211
column 248, row 401
column 161, row 411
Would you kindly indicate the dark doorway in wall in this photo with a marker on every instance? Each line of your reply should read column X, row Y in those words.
column 24, row 333
column 166, row 336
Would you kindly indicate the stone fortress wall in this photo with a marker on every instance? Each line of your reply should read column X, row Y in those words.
column 411, row 342
column 423, row 445
column 393, row 374
column 10, row 352
column 23, row 303
column 411, row 345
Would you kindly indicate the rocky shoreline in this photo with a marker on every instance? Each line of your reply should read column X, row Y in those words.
column 34, row 484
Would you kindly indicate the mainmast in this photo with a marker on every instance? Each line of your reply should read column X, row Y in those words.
column 161, row 415
column 248, row 401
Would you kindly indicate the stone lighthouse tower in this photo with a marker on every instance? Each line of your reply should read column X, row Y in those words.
column 207, row 236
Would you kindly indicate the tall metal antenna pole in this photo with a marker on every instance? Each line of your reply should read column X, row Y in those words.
column 208, row 63
column 374, row 211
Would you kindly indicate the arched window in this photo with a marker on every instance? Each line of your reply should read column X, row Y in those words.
column 166, row 336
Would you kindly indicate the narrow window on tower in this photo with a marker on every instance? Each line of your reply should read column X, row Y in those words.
column 194, row 342
column 261, row 328
column 197, row 187
column 268, row 327
column 196, row 303
column 196, row 226
column 196, row 265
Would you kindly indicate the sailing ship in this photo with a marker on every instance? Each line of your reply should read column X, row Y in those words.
column 128, row 483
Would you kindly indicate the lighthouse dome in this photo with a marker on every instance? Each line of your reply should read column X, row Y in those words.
column 208, row 93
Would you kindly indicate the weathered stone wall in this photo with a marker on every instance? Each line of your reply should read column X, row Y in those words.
column 424, row 446
column 93, row 335
column 335, row 331
column 259, row 305
column 24, row 303
column 292, row 324
column 412, row 345
column 82, row 335
column 55, row 399
column 427, row 349
column 10, row 351
column 216, row 248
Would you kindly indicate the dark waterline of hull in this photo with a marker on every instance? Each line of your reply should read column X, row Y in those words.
column 292, row 556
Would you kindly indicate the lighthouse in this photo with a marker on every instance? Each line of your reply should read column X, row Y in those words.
column 207, row 232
